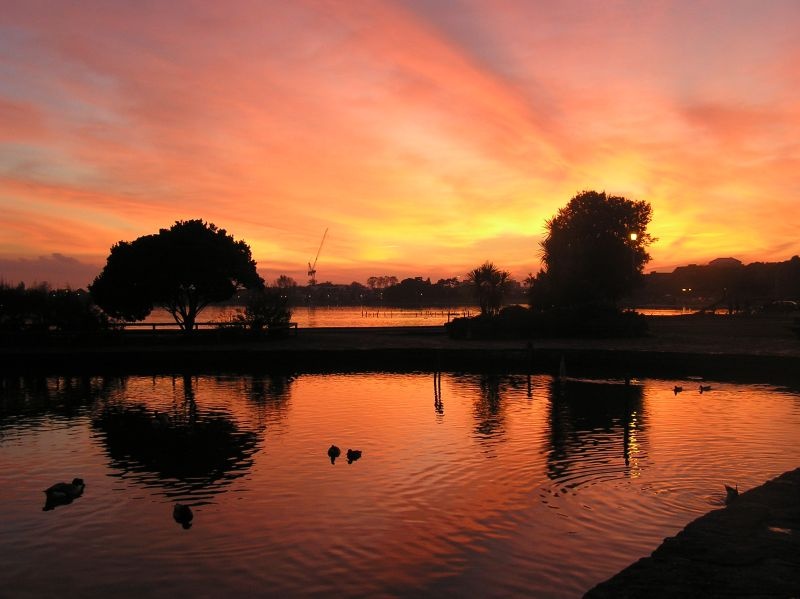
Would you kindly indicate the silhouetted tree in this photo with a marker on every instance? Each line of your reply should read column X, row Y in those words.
column 182, row 269
column 381, row 282
column 285, row 282
column 289, row 289
column 489, row 283
column 409, row 292
column 589, row 254
column 40, row 307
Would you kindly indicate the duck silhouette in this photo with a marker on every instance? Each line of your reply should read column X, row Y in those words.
column 333, row 453
column 63, row 493
column 353, row 455
column 704, row 388
column 182, row 514
column 161, row 420
column 731, row 493
column 676, row 389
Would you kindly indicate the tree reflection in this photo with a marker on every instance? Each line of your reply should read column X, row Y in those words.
column 489, row 390
column 271, row 389
column 585, row 419
column 488, row 408
column 24, row 400
column 185, row 447
column 270, row 394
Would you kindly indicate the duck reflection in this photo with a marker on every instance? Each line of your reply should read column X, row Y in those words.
column 587, row 419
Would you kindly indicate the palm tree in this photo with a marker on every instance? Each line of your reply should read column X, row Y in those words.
column 489, row 283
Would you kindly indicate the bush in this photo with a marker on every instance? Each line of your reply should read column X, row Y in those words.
column 518, row 322
column 266, row 310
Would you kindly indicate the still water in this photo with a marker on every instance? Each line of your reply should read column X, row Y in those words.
column 468, row 485
column 367, row 316
column 338, row 316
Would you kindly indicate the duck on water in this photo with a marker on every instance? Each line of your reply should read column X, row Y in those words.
column 182, row 514
column 63, row 493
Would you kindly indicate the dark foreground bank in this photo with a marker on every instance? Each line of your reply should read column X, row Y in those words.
column 747, row 349
column 751, row 548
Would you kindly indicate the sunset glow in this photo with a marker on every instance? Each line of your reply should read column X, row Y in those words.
column 427, row 136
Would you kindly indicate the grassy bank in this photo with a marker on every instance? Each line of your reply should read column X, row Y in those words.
column 755, row 348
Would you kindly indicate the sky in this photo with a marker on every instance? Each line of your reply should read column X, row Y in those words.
column 425, row 136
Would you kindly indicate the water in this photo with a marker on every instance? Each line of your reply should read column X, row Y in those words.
column 347, row 316
column 466, row 487
column 371, row 316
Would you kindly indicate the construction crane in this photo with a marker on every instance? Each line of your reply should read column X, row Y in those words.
column 312, row 268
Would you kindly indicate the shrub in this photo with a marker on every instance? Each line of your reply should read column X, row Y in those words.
column 518, row 322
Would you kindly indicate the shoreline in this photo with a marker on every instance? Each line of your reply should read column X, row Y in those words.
column 758, row 349
column 750, row 548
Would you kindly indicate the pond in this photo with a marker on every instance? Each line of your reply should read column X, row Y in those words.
column 479, row 485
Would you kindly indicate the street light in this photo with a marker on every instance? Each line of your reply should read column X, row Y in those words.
column 634, row 236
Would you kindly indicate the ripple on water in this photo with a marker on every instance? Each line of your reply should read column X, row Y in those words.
column 479, row 490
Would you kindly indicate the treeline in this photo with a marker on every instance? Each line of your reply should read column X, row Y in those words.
column 388, row 291
column 40, row 308
column 724, row 283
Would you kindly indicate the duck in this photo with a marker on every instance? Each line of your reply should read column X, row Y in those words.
column 333, row 453
column 676, row 389
column 182, row 514
column 353, row 455
column 63, row 493
column 704, row 388
column 66, row 491
column 731, row 493
column 160, row 420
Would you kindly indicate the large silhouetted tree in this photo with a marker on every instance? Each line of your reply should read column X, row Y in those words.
column 182, row 269
column 489, row 283
column 594, row 251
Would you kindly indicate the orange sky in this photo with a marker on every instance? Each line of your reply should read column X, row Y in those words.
column 428, row 136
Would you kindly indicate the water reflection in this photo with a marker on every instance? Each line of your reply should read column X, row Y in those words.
column 469, row 505
column 270, row 394
column 488, row 407
column 438, row 404
column 24, row 401
column 594, row 427
column 182, row 446
column 489, row 392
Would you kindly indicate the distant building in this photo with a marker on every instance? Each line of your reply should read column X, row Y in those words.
column 726, row 263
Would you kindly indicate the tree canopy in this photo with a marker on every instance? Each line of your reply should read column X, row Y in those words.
column 489, row 283
column 594, row 251
column 181, row 269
